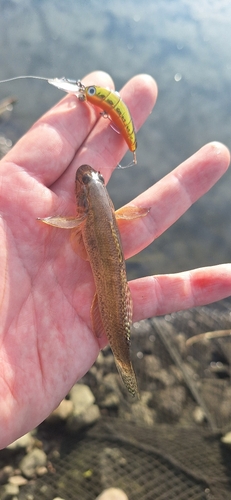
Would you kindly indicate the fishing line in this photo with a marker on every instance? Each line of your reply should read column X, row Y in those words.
column 23, row 77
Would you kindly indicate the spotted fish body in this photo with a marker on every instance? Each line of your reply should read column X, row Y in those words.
column 111, row 309
column 114, row 107
column 98, row 240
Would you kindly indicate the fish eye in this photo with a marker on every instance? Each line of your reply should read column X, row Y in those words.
column 91, row 90
column 86, row 178
column 101, row 178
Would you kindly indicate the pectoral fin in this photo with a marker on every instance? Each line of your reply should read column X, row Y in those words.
column 75, row 224
column 130, row 213
column 64, row 222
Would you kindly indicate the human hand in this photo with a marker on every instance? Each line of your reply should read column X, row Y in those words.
column 46, row 290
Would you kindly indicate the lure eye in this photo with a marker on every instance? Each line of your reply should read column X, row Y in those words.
column 91, row 90
column 101, row 178
column 86, row 178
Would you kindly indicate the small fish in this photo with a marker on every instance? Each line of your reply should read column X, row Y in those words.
column 112, row 105
column 95, row 237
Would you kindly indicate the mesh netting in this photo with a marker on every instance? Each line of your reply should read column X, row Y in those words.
column 176, row 458
column 161, row 463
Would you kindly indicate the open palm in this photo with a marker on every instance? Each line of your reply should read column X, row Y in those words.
column 46, row 290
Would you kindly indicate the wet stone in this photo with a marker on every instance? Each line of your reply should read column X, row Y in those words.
column 85, row 412
column 106, row 362
column 29, row 463
column 9, row 491
column 79, row 421
column 199, row 415
column 81, row 397
column 18, row 480
column 96, row 374
column 112, row 494
column 112, row 400
column 22, row 442
column 146, row 397
column 152, row 365
column 62, row 412
column 110, row 383
column 5, row 473
column 143, row 415
column 226, row 439
column 41, row 470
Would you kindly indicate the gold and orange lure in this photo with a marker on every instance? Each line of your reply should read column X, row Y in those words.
column 109, row 101
column 112, row 105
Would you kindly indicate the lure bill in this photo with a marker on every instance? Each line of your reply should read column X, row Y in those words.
column 95, row 237
column 109, row 101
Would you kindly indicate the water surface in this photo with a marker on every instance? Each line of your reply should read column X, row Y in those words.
column 186, row 47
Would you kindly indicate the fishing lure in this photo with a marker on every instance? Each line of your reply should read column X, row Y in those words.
column 113, row 107
column 110, row 102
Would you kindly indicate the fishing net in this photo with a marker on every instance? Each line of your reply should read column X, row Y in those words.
column 175, row 455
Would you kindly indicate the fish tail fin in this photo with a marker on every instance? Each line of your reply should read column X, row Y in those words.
column 129, row 378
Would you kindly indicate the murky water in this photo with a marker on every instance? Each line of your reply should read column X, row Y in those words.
column 186, row 46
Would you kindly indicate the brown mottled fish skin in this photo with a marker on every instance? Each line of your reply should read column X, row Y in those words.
column 112, row 305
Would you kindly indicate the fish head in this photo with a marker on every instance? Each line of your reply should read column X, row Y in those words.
column 86, row 180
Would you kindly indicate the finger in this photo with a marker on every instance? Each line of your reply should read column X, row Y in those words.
column 48, row 148
column 173, row 195
column 104, row 148
column 164, row 294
